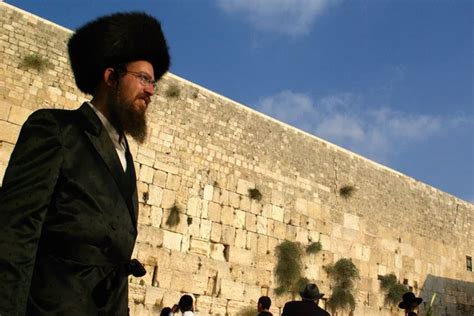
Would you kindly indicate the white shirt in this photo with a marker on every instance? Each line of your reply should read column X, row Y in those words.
column 119, row 144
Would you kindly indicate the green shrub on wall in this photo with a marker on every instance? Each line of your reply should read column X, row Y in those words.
column 343, row 274
column 34, row 61
column 394, row 290
column 289, row 267
column 173, row 217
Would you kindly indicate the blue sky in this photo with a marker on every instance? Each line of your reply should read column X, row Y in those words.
column 391, row 80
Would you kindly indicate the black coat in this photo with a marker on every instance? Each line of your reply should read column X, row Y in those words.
column 68, row 215
column 303, row 308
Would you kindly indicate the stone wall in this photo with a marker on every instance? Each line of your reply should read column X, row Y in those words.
column 203, row 154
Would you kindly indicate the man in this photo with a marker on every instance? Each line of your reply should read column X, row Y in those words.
column 185, row 306
column 308, row 306
column 410, row 303
column 263, row 306
column 68, row 205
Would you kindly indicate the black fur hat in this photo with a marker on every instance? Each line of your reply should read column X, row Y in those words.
column 114, row 39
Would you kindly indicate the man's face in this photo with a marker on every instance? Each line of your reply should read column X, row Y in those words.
column 130, row 99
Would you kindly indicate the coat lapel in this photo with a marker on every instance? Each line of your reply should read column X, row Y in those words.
column 102, row 143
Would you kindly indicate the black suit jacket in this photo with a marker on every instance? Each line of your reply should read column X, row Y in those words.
column 68, row 215
column 303, row 308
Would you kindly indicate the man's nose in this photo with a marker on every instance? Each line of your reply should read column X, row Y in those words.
column 150, row 89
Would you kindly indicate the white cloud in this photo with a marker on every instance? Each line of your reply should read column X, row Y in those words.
column 293, row 17
column 344, row 120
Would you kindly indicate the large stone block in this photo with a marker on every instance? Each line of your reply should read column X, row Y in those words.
column 214, row 212
column 172, row 240
column 240, row 256
column 199, row 246
column 227, row 215
column 231, row 290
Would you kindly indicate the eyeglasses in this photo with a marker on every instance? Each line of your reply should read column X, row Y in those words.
column 143, row 78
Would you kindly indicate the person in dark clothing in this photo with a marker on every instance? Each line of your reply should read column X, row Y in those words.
column 410, row 303
column 68, row 204
column 308, row 306
column 263, row 306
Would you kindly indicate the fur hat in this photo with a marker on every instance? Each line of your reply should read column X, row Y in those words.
column 311, row 292
column 409, row 300
column 114, row 39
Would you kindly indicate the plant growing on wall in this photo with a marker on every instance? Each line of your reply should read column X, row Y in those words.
column 289, row 267
column 247, row 311
column 393, row 288
column 255, row 194
column 343, row 273
column 34, row 61
column 173, row 217
column 346, row 191
column 314, row 248
column 173, row 91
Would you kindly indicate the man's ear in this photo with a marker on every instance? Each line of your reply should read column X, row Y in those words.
column 110, row 77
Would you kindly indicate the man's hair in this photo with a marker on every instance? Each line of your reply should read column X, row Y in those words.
column 265, row 302
column 185, row 303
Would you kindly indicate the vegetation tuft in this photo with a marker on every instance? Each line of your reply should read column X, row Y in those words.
column 314, row 248
column 247, row 311
column 343, row 273
column 394, row 290
column 173, row 217
column 35, row 61
column 255, row 194
column 289, row 267
column 346, row 191
column 173, row 91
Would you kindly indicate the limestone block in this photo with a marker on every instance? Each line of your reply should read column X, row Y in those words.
column 302, row 235
column 252, row 293
column 325, row 241
column 155, row 195
column 266, row 211
column 4, row 110
column 277, row 198
column 18, row 115
column 168, row 199
column 193, row 207
column 234, row 199
column 214, row 212
column 236, row 307
column 279, row 229
column 314, row 210
column 205, row 229
column 351, row 221
column 199, row 246
column 271, row 227
column 301, row 206
column 146, row 156
column 277, row 213
column 159, row 178
column 227, row 215
column 216, row 195
column 136, row 292
column 189, row 283
column 172, row 240
column 262, row 244
column 165, row 167
column 203, row 305
column 240, row 256
column 228, row 235
column 295, row 218
column 219, row 306
column 150, row 235
column 208, row 192
column 250, row 222
column 224, row 197
column 9, row 132
column 239, row 218
column 216, row 232
column 291, row 232
column 243, row 186
column 144, row 214
column 154, row 295
column 261, row 225
column 264, row 277
column 252, row 241
column 194, row 226
column 204, row 209
column 146, row 174
column 171, row 297
column 217, row 251
column 231, row 290
column 255, row 207
column 240, row 238
column 245, row 203
column 173, row 182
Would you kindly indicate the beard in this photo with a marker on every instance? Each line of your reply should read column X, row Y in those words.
column 126, row 118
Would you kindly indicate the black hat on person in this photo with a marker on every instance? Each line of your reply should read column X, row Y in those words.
column 114, row 39
column 311, row 292
column 409, row 300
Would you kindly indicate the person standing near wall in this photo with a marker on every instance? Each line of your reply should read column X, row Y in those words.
column 308, row 305
column 68, row 205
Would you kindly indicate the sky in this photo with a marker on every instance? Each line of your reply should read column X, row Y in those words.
column 391, row 80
